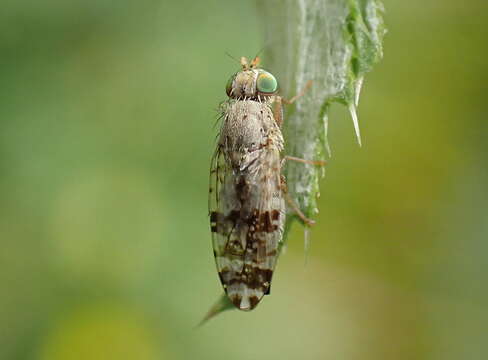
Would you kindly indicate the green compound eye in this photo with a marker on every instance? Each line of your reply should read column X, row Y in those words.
column 228, row 87
column 266, row 83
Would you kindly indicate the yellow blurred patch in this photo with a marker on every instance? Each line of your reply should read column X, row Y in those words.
column 102, row 332
column 108, row 224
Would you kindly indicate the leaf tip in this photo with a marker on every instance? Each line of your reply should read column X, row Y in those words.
column 222, row 304
column 354, row 116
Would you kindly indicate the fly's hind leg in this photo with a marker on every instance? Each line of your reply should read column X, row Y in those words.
column 294, row 205
column 288, row 198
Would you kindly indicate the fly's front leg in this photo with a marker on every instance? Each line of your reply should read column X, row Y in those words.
column 278, row 110
column 308, row 85
column 279, row 101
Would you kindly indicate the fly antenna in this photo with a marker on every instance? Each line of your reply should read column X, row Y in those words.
column 233, row 58
column 255, row 62
column 261, row 50
column 256, row 58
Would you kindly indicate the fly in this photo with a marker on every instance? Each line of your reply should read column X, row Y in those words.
column 247, row 191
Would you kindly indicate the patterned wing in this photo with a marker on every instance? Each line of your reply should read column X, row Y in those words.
column 220, row 225
column 247, row 217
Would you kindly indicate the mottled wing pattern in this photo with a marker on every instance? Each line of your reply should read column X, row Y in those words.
column 246, row 203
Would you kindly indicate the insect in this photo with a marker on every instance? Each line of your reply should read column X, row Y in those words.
column 247, row 191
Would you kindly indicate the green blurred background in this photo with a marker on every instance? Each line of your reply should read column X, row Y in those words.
column 106, row 132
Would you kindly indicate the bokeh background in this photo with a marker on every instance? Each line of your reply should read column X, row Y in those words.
column 106, row 132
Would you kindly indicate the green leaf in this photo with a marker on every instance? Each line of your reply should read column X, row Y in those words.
column 334, row 43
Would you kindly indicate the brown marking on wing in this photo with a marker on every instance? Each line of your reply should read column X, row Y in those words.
column 275, row 214
column 236, row 300
column 258, row 278
column 254, row 281
column 242, row 189
column 234, row 247
column 253, row 300
column 220, row 223
column 225, row 276
column 266, row 223
column 214, row 221
column 233, row 216
column 273, row 252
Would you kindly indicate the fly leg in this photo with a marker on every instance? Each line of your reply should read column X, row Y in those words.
column 278, row 111
column 278, row 115
column 294, row 205
column 279, row 101
column 303, row 161
column 308, row 85
column 288, row 198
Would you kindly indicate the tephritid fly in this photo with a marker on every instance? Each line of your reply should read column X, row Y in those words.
column 247, row 191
